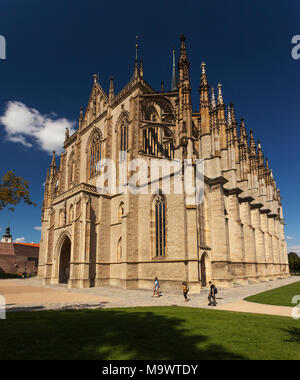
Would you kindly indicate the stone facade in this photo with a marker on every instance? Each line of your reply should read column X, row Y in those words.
column 236, row 235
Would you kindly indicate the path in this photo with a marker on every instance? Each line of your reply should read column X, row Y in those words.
column 29, row 294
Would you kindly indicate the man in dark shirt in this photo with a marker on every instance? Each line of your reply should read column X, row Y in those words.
column 212, row 295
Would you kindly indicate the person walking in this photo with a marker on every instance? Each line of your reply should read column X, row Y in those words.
column 185, row 289
column 212, row 294
column 156, row 288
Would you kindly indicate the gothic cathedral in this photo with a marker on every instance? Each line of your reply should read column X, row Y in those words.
column 125, row 239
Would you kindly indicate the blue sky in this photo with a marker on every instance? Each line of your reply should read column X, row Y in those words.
column 54, row 48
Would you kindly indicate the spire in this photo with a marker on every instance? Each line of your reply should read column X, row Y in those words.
column 243, row 145
column 174, row 82
column 204, row 88
column 229, row 127
column 136, row 48
column 96, row 77
column 221, row 119
column 229, row 121
column 111, row 90
column 243, row 133
column 47, row 176
column 203, row 74
column 183, row 63
column 260, row 161
column 80, row 117
column 141, row 69
column 252, row 153
column 234, row 126
column 162, row 89
column 267, row 173
column 53, row 165
column 220, row 96
column 213, row 99
column 252, row 145
column 136, row 68
column 67, row 134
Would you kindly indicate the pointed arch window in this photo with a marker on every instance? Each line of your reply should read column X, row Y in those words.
column 202, row 224
column 121, row 212
column 119, row 249
column 160, row 225
column 124, row 135
column 71, row 214
column 95, row 154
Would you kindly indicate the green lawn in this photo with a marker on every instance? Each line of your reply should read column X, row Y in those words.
column 279, row 297
column 148, row 333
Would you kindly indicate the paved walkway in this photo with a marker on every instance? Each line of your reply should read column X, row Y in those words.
column 29, row 294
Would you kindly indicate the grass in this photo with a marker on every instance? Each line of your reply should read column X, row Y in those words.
column 279, row 297
column 148, row 333
column 8, row 275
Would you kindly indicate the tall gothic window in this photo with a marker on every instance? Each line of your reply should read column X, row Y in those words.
column 124, row 135
column 71, row 168
column 158, row 142
column 160, row 225
column 95, row 154
column 202, row 224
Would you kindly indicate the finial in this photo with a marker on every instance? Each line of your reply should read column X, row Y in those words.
column 96, row 77
column 182, row 38
column 162, row 89
column 141, row 69
column 213, row 99
column 174, row 83
column 232, row 113
column 136, row 47
column 220, row 96
column 243, row 133
column 67, row 135
column 229, row 116
column 111, row 89
column 203, row 70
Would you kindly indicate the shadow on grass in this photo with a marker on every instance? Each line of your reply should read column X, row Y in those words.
column 72, row 306
column 108, row 334
column 294, row 334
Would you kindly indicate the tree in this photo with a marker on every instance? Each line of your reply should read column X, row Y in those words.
column 294, row 262
column 13, row 190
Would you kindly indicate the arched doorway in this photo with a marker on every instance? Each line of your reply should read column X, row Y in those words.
column 64, row 261
column 204, row 269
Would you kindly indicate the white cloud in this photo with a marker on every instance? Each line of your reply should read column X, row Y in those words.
column 38, row 228
column 295, row 249
column 289, row 238
column 20, row 240
column 26, row 125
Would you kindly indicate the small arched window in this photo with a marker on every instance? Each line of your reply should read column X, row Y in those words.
column 119, row 249
column 120, row 212
column 61, row 218
column 71, row 214
column 160, row 225
column 95, row 154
